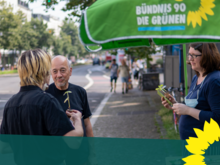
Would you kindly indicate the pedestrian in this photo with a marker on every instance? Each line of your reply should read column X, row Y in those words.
column 136, row 68
column 202, row 102
column 124, row 74
column 34, row 112
column 61, row 72
column 114, row 74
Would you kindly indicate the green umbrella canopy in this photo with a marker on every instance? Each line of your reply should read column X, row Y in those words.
column 130, row 23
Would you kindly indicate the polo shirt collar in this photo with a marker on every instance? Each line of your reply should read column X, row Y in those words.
column 62, row 91
column 29, row 87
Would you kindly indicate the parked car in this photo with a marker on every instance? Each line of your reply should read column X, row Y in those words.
column 96, row 61
column 80, row 61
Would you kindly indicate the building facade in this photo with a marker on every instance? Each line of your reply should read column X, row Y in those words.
column 19, row 5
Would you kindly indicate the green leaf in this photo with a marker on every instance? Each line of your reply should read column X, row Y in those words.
column 67, row 92
column 66, row 100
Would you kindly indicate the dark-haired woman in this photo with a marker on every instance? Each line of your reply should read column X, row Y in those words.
column 203, row 100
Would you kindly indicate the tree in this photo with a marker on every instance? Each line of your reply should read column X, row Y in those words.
column 67, row 45
column 28, row 39
column 142, row 52
column 76, row 6
column 10, row 23
column 58, row 46
column 9, row 29
column 71, row 30
column 43, row 37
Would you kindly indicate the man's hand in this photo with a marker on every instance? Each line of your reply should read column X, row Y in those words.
column 74, row 115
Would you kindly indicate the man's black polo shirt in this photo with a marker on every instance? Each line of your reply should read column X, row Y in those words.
column 78, row 99
column 34, row 112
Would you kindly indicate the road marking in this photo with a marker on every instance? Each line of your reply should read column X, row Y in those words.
column 95, row 116
column 107, row 77
column 2, row 101
column 91, row 82
column 100, row 108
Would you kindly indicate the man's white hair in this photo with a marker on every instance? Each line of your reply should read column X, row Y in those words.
column 68, row 61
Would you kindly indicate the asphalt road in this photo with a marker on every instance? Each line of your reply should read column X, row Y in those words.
column 9, row 85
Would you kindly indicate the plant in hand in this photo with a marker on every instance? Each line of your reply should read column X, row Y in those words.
column 68, row 98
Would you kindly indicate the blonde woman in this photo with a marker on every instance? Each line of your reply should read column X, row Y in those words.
column 34, row 112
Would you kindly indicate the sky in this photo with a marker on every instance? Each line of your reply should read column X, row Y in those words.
column 39, row 9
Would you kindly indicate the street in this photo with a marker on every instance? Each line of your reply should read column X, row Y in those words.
column 96, row 85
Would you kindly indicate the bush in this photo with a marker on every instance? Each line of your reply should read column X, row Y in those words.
column 159, row 62
column 8, row 72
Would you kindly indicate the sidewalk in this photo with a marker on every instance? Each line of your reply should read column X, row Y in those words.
column 132, row 115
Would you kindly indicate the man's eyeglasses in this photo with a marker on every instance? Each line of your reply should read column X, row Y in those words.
column 193, row 56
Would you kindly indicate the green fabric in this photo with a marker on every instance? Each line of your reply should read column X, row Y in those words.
column 185, row 69
column 52, row 150
column 118, row 23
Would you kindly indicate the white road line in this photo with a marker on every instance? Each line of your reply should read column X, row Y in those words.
column 2, row 101
column 106, row 76
column 99, row 109
column 91, row 82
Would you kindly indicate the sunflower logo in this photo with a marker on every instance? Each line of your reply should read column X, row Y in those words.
column 198, row 146
column 205, row 8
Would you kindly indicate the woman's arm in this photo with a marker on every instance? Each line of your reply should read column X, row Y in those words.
column 213, row 98
column 182, row 109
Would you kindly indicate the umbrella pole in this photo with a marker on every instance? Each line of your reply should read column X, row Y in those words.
column 185, row 69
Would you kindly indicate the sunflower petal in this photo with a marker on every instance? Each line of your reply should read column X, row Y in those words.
column 193, row 19
column 208, row 10
column 189, row 18
column 198, row 18
column 207, row 4
column 202, row 13
column 194, row 159
column 212, row 131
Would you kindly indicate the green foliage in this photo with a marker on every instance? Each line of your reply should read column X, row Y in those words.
column 44, row 38
column 8, row 72
column 67, row 46
column 159, row 61
column 10, row 23
column 17, row 33
column 142, row 52
column 167, row 119
column 58, row 46
column 29, row 37
column 68, row 43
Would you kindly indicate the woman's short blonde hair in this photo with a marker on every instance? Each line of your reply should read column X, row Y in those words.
column 33, row 67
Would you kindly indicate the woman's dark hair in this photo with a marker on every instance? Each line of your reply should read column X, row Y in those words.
column 210, row 59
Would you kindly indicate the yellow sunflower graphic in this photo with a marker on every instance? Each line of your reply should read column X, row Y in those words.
column 195, row 17
column 198, row 146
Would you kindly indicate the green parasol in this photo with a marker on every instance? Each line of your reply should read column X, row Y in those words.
column 129, row 23
column 112, row 24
